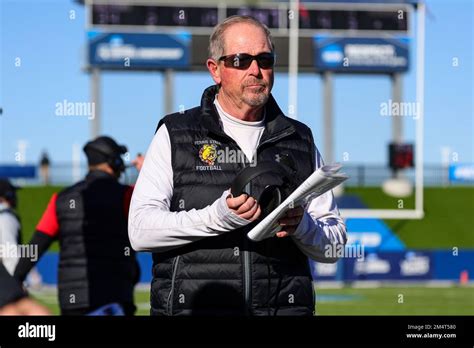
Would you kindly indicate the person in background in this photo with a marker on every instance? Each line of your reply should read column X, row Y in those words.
column 44, row 168
column 10, row 226
column 97, row 266
column 14, row 300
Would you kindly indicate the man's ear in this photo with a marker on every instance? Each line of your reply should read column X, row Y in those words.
column 214, row 69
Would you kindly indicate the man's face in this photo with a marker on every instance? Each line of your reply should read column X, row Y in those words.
column 252, row 85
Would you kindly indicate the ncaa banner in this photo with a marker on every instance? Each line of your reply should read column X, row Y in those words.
column 17, row 171
column 410, row 265
column 367, row 55
column 137, row 51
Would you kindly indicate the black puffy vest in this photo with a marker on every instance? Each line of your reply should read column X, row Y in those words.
column 230, row 274
column 97, row 265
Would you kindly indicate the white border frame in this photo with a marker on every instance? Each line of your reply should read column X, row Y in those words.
column 418, row 212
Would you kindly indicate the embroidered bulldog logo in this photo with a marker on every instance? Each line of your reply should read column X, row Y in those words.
column 208, row 154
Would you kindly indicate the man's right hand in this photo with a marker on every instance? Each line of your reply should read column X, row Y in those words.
column 244, row 206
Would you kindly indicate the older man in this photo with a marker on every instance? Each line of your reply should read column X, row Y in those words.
column 183, row 212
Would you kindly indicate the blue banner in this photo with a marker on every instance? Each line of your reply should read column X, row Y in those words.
column 398, row 265
column 402, row 266
column 451, row 263
column 16, row 171
column 48, row 267
column 408, row 265
column 326, row 271
column 370, row 55
column 136, row 51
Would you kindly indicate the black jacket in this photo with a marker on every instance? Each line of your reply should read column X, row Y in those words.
column 229, row 274
column 97, row 265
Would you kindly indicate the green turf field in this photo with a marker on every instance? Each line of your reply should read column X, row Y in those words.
column 358, row 301
column 396, row 301
column 32, row 201
column 448, row 215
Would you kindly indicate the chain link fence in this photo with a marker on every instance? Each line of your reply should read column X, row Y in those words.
column 361, row 175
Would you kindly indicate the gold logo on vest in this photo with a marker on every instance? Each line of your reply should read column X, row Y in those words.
column 208, row 155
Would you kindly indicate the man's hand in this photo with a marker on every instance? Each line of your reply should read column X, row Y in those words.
column 138, row 161
column 244, row 206
column 290, row 221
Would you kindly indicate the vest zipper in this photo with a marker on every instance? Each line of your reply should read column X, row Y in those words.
column 278, row 137
column 173, row 278
column 247, row 278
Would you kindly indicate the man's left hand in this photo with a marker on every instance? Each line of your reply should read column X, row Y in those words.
column 138, row 161
column 290, row 221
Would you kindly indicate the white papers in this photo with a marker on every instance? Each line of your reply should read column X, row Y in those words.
column 321, row 181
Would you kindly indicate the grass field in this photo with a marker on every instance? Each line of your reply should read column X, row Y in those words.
column 32, row 201
column 448, row 221
column 357, row 301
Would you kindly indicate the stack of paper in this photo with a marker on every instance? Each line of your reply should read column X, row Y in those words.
column 321, row 181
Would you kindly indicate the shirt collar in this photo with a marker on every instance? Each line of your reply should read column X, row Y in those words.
column 235, row 120
column 275, row 121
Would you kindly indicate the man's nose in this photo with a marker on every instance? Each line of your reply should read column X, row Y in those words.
column 254, row 69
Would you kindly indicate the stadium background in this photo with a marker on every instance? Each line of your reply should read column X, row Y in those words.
column 441, row 244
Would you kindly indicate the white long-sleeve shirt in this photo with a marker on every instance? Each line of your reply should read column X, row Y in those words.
column 153, row 227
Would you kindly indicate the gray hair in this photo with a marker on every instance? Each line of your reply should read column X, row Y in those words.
column 216, row 40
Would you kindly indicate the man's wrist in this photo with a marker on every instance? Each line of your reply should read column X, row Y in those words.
column 303, row 226
column 228, row 216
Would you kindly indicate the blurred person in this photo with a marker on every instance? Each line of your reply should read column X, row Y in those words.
column 182, row 209
column 10, row 226
column 10, row 233
column 97, row 267
column 14, row 300
column 138, row 161
column 44, row 168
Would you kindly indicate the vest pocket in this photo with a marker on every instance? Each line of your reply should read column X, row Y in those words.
column 169, row 303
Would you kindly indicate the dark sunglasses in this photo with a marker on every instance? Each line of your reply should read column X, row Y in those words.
column 243, row 60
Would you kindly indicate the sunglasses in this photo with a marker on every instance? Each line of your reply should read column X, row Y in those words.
column 244, row 60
